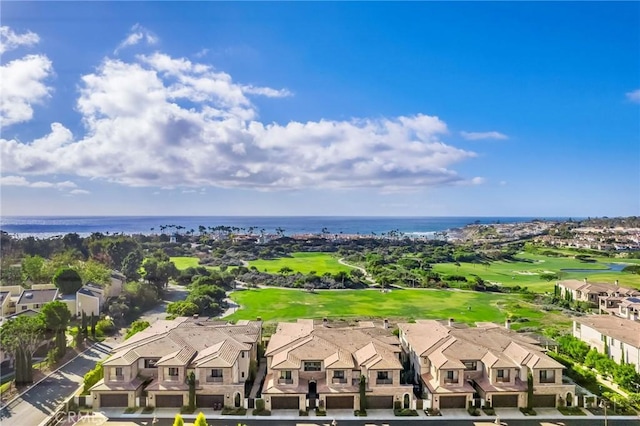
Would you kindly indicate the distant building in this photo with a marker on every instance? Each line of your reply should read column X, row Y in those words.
column 620, row 337
column 35, row 299
column 592, row 292
column 90, row 300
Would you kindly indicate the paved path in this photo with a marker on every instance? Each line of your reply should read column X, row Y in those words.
column 37, row 404
column 262, row 371
column 367, row 276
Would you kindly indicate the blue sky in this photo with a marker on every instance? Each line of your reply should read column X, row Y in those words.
column 418, row 109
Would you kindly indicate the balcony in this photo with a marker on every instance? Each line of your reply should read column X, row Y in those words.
column 172, row 378
column 502, row 380
column 117, row 378
column 384, row 381
column 548, row 380
column 285, row 381
column 214, row 379
column 338, row 381
column 451, row 381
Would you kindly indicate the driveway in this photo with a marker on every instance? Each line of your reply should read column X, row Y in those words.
column 37, row 404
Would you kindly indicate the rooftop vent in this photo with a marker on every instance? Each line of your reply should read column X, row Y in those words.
column 28, row 295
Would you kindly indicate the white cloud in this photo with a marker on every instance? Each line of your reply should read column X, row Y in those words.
column 202, row 53
column 9, row 40
column 634, row 96
column 138, row 133
column 137, row 34
column 22, row 181
column 79, row 192
column 476, row 136
column 23, row 86
column 267, row 91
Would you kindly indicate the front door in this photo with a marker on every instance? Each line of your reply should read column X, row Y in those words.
column 313, row 394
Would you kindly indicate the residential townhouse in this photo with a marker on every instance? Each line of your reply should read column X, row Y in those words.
column 35, row 298
column 158, row 361
column 457, row 365
column 10, row 295
column 90, row 300
column 313, row 365
column 629, row 308
column 599, row 294
column 620, row 337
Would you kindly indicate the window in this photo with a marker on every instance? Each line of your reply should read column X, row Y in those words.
column 215, row 375
column 24, row 308
column 338, row 374
column 118, row 371
column 383, row 378
column 547, row 376
column 285, row 377
column 216, row 372
column 312, row 366
column 286, row 374
column 502, row 376
column 470, row 365
column 243, row 374
column 173, row 372
column 36, row 306
column 242, row 354
column 150, row 362
column 449, row 375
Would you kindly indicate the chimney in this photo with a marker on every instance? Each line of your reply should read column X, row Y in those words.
column 507, row 324
column 385, row 323
column 616, row 283
column 325, row 322
column 451, row 321
column 585, row 280
column 195, row 316
column 258, row 318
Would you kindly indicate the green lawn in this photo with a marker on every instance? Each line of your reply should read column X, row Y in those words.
column 184, row 262
column 527, row 272
column 282, row 305
column 302, row 262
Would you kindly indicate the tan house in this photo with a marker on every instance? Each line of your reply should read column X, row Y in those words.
column 595, row 293
column 629, row 308
column 159, row 359
column 458, row 365
column 90, row 300
column 35, row 298
column 621, row 336
column 313, row 365
column 9, row 297
column 116, row 284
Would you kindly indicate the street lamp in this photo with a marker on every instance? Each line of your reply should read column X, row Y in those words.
column 603, row 404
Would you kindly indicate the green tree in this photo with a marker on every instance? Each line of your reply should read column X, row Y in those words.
column 529, row 390
column 135, row 327
column 119, row 248
column 32, row 267
column 21, row 337
column 93, row 377
column 93, row 271
column 158, row 273
column 178, row 421
column 131, row 265
column 93, row 320
column 56, row 317
column 200, row 420
column 191, row 381
column 363, row 393
column 67, row 280
column 182, row 308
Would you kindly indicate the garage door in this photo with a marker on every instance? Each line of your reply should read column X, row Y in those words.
column 379, row 402
column 340, row 402
column 544, row 400
column 169, row 401
column 210, row 401
column 284, row 402
column 453, row 402
column 114, row 400
column 504, row 400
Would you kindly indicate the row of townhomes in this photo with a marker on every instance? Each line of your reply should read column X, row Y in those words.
column 313, row 363
column 488, row 364
column 608, row 298
column 158, row 360
column 618, row 336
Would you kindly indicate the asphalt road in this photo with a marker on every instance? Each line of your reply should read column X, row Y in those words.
column 41, row 400
column 583, row 421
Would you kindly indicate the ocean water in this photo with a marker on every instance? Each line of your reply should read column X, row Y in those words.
column 48, row 226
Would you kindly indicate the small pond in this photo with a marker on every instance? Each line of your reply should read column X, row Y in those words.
column 609, row 267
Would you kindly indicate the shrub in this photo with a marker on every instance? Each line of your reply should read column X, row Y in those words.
column 234, row 411
column 360, row 413
column 320, row 412
column 148, row 409
column 185, row 409
column 405, row 412
column 105, row 327
column 93, row 377
column 528, row 411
